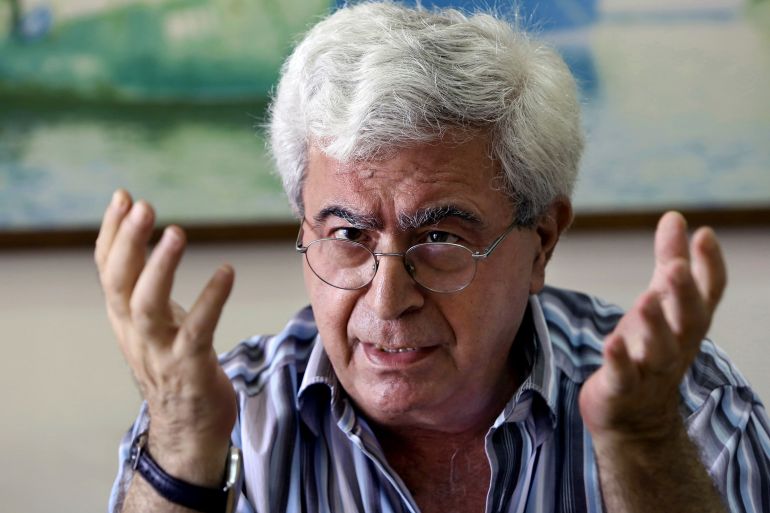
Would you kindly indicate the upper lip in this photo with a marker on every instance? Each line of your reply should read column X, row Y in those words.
column 390, row 345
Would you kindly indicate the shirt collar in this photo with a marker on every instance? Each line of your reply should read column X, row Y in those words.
column 541, row 384
column 320, row 387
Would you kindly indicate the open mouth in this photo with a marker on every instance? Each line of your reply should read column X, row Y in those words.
column 395, row 349
column 385, row 357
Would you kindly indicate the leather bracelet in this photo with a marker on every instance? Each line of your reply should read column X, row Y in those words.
column 199, row 498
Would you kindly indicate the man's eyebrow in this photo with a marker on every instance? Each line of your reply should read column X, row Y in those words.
column 357, row 219
column 434, row 215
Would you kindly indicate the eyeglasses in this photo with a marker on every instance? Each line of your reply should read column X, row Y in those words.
column 436, row 266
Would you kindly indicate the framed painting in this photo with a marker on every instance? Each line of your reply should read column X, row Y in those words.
column 166, row 98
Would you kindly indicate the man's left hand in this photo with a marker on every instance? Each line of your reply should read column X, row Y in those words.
column 634, row 396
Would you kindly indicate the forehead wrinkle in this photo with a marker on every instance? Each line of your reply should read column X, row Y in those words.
column 433, row 215
column 364, row 220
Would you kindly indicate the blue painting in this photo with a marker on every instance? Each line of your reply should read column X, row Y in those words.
column 675, row 94
column 166, row 98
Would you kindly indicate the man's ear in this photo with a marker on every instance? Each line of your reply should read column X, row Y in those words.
column 554, row 221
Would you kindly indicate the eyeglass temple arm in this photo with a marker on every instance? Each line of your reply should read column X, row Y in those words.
column 495, row 243
column 298, row 244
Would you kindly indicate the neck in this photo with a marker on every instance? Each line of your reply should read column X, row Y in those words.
column 443, row 471
column 426, row 442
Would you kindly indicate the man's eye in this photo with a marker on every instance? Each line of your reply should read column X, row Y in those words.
column 348, row 233
column 437, row 236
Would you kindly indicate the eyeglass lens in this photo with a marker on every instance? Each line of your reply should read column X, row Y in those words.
column 349, row 265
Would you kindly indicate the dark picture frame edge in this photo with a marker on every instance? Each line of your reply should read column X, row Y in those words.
column 286, row 231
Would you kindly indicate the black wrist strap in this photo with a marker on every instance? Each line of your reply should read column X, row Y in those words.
column 206, row 500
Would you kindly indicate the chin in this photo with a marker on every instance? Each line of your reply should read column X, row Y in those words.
column 397, row 402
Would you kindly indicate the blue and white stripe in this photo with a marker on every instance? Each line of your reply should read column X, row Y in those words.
column 306, row 449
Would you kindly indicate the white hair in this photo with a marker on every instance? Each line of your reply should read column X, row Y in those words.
column 378, row 76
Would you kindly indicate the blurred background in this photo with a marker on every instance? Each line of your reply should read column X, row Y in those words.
column 166, row 98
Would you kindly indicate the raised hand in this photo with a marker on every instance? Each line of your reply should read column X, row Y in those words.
column 635, row 392
column 631, row 404
column 190, row 400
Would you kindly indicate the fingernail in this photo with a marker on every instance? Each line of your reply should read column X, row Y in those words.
column 139, row 213
column 119, row 200
column 225, row 270
column 171, row 237
column 709, row 238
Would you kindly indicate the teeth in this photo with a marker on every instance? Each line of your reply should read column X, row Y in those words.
column 396, row 350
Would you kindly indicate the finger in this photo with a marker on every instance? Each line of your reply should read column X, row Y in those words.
column 127, row 255
column 671, row 239
column 113, row 216
column 672, row 279
column 619, row 372
column 151, row 299
column 708, row 267
column 660, row 351
column 683, row 306
column 197, row 330
column 647, row 337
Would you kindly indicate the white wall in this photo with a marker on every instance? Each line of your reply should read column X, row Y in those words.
column 67, row 396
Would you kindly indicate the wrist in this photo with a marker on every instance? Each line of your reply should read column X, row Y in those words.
column 198, row 461
column 219, row 498
column 654, row 471
column 655, row 429
column 662, row 435
column 644, row 458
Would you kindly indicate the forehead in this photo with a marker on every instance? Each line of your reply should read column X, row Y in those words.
column 461, row 174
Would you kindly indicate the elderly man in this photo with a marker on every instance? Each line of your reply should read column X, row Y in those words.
column 430, row 158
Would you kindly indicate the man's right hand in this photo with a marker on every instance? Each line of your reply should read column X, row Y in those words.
column 191, row 402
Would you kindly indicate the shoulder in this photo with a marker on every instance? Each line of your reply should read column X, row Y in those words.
column 254, row 361
column 714, row 379
column 575, row 313
column 577, row 324
column 730, row 426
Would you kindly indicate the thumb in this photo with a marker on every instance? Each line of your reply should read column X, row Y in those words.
column 197, row 330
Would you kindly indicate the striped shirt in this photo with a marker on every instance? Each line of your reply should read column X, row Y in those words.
column 306, row 449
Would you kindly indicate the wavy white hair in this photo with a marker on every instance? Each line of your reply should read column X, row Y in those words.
column 377, row 76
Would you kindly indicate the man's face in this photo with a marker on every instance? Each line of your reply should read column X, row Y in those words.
column 452, row 371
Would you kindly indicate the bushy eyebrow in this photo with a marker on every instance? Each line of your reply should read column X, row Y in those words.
column 356, row 219
column 433, row 215
column 422, row 217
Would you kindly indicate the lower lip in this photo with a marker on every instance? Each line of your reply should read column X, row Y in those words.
column 396, row 360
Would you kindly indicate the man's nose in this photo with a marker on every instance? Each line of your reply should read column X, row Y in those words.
column 393, row 292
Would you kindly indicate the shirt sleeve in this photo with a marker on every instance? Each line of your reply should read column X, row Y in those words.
column 732, row 431
column 126, row 472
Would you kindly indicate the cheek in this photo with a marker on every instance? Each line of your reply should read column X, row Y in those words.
column 486, row 336
column 490, row 316
column 331, row 309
